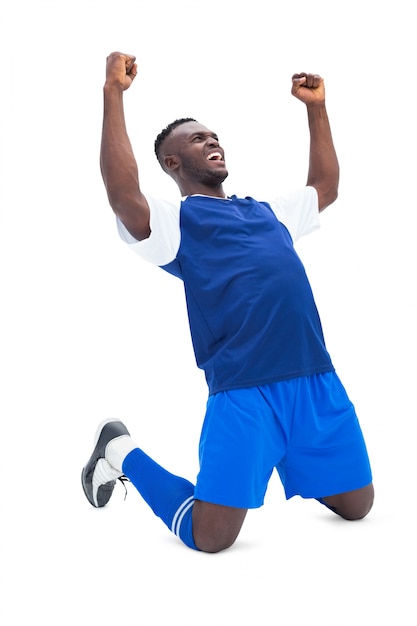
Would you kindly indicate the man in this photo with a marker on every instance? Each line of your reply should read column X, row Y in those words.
column 275, row 400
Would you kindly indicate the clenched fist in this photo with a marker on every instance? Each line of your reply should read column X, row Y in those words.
column 309, row 88
column 121, row 70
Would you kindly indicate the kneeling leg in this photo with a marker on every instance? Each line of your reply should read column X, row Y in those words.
column 216, row 527
column 351, row 505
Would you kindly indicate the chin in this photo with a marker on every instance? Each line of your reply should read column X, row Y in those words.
column 221, row 176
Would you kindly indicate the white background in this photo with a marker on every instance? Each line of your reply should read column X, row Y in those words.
column 90, row 331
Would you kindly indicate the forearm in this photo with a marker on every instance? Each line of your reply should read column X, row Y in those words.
column 119, row 168
column 323, row 173
column 118, row 164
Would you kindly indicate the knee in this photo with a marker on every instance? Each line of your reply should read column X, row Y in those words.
column 354, row 505
column 213, row 538
column 355, row 512
column 213, row 544
column 216, row 527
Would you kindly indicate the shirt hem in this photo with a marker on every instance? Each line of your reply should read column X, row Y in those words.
column 269, row 381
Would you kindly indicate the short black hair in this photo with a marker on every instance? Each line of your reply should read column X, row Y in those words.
column 167, row 131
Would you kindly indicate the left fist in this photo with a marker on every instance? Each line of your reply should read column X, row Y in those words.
column 309, row 88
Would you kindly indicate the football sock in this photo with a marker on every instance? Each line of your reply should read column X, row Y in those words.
column 170, row 497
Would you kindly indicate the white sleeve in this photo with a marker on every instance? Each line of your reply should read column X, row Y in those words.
column 298, row 211
column 162, row 245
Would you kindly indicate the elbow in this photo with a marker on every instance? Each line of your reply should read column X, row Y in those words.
column 327, row 186
column 134, row 214
column 327, row 190
column 326, row 198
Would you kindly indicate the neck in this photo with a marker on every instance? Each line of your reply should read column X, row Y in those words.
column 201, row 189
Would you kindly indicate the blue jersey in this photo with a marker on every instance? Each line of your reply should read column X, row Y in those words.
column 252, row 315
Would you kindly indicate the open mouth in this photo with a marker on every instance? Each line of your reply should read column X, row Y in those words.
column 215, row 156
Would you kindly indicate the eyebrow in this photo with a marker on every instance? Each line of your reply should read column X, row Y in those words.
column 206, row 133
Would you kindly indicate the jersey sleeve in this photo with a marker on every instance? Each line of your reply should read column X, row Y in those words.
column 161, row 247
column 298, row 211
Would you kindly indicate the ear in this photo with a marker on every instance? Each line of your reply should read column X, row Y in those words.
column 171, row 163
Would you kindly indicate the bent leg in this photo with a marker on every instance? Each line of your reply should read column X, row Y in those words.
column 200, row 525
column 351, row 505
column 216, row 527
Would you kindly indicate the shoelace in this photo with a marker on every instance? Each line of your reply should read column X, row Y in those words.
column 124, row 479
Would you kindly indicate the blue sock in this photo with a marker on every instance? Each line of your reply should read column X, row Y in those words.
column 170, row 497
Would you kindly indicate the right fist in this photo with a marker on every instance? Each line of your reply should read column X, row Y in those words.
column 121, row 69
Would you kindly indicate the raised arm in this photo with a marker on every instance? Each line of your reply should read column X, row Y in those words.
column 323, row 172
column 118, row 164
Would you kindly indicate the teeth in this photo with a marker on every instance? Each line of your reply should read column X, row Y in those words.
column 215, row 156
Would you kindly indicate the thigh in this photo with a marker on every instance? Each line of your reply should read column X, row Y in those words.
column 239, row 448
column 327, row 454
column 216, row 527
column 352, row 505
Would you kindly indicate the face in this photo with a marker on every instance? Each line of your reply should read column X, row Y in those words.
column 192, row 151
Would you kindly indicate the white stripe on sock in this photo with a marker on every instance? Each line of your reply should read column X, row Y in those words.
column 179, row 515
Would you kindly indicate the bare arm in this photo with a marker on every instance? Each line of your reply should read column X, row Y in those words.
column 118, row 164
column 323, row 173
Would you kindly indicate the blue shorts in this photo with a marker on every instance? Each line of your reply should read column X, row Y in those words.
column 306, row 428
